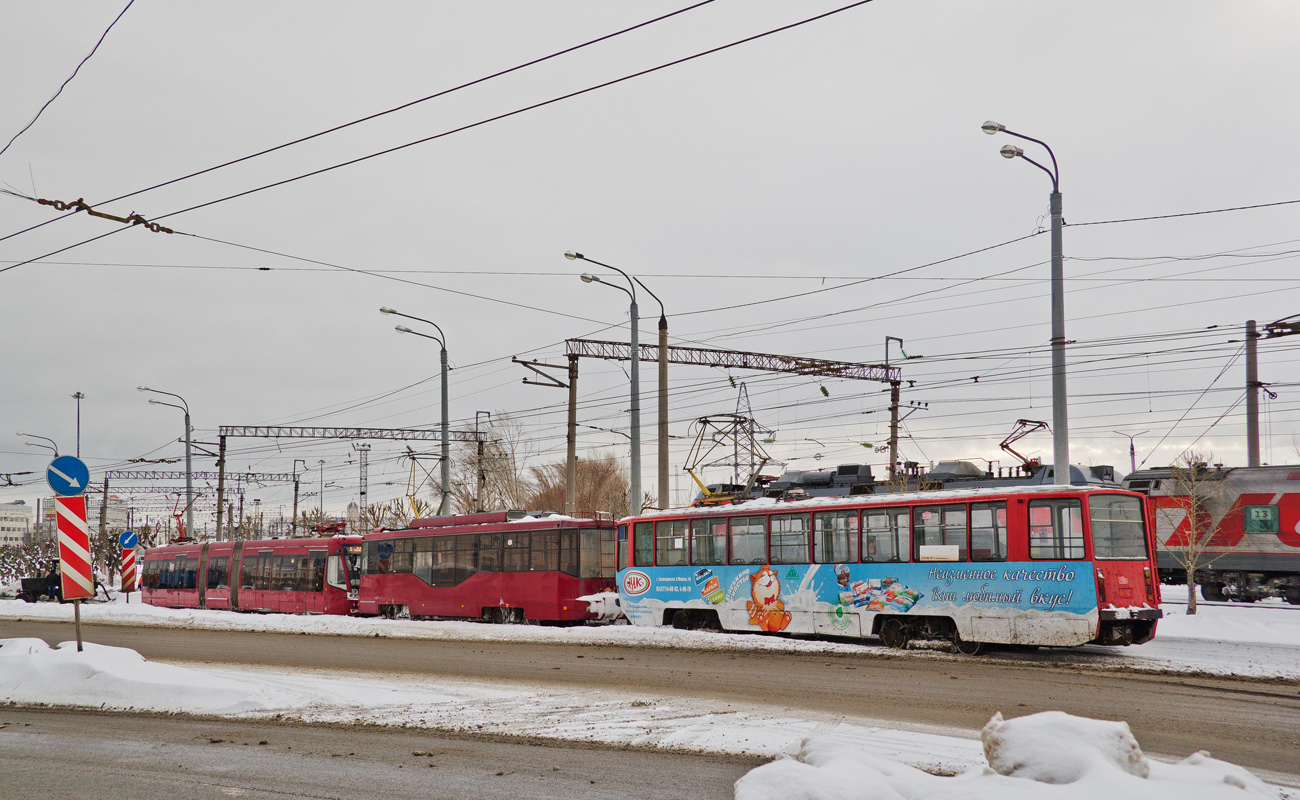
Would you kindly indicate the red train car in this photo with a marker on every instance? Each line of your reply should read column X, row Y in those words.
column 496, row 566
column 293, row 576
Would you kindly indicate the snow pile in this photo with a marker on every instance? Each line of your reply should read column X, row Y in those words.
column 33, row 673
column 1046, row 756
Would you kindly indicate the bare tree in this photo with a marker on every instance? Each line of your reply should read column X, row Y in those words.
column 500, row 467
column 1195, row 490
column 602, row 486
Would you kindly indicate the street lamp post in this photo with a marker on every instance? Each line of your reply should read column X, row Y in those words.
column 53, row 445
column 189, row 471
column 636, row 395
column 444, row 508
column 78, row 396
column 1060, row 423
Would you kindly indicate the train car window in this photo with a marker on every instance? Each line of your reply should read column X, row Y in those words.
column 334, row 573
column 1117, row 527
column 988, row 532
column 218, row 577
column 835, row 537
column 748, row 540
column 789, row 539
column 569, row 553
column 608, row 564
column 1056, row 529
column 939, row 527
column 670, row 543
column 545, row 554
column 515, row 553
column 489, row 552
column 886, row 534
column 709, row 542
column 643, row 544
column 589, row 556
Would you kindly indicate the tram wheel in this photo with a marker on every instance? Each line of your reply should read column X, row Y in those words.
column 893, row 633
column 682, row 621
column 1213, row 592
column 960, row 645
column 497, row 616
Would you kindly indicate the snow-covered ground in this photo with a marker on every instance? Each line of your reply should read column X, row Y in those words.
column 818, row 755
column 1260, row 639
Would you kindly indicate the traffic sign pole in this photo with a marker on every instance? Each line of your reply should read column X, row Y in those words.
column 128, row 542
column 68, row 477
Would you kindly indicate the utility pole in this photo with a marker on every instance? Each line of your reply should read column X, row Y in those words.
column 78, row 396
column 1252, row 396
column 895, row 387
column 295, row 490
column 571, row 457
column 482, row 473
column 221, row 481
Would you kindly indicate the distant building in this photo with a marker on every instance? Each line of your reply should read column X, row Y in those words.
column 117, row 512
column 15, row 522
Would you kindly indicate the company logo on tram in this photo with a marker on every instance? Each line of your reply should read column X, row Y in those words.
column 635, row 583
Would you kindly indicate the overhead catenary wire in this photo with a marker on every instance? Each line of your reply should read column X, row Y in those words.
column 65, row 83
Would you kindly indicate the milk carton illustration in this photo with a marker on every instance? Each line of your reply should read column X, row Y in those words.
column 710, row 588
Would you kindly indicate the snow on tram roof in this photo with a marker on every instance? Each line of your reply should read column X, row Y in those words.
column 770, row 503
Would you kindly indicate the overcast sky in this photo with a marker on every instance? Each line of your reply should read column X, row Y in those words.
column 841, row 150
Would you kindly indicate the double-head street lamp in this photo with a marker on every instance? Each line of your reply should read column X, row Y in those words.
column 444, row 508
column 78, row 396
column 53, row 445
column 1060, row 424
column 632, row 283
column 189, row 473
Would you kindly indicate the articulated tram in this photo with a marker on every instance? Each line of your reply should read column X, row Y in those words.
column 1026, row 565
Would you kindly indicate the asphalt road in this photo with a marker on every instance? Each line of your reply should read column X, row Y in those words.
column 1252, row 723
column 51, row 754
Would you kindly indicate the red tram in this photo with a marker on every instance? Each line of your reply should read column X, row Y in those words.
column 497, row 566
column 294, row 576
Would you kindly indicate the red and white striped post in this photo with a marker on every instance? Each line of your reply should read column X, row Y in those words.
column 128, row 571
column 75, row 573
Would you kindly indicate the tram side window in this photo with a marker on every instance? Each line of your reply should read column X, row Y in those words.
column 489, row 552
column 1056, row 529
column 217, row 572
column 403, row 560
column 265, row 566
column 670, row 543
column 422, row 557
column 569, row 553
column 988, row 532
column 466, row 556
column 191, row 573
column 886, row 534
column 939, row 526
column 790, row 538
column 248, row 571
column 709, row 542
column 622, row 547
column 835, row 537
column 590, row 557
column 334, row 573
column 748, row 540
column 515, row 552
column 643, row 544
column 152, row 572
column 545, row 552
column 1117, row 529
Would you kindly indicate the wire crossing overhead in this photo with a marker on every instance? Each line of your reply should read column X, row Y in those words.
column 399, row 434
column 706, row 357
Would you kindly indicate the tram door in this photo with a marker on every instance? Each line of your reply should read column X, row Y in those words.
column 201, row 579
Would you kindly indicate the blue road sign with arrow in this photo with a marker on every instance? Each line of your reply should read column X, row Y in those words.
column 127, row 540
column 67, row 476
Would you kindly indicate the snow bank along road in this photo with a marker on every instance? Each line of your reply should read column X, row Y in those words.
column 1252, row 723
